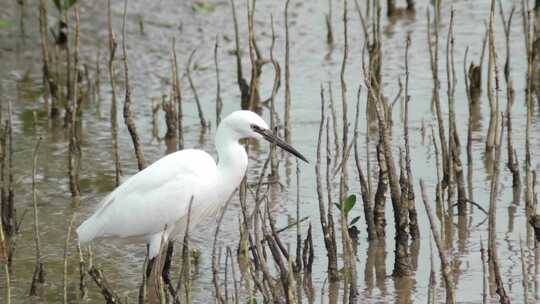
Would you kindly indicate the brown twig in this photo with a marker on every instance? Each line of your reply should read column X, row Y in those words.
column 215, row 266
column 414, row 230
column 4, row 260
column 112, row 72
column 128, row 115
column 325, row 218
column 366, row 198
column 242, row 83
column 8, row 210
column 275, row 88
column 287, row 114
column 74, row 158
column 434, row 60
column 219, row 101
column 108, row 293
column 185, row 273
column 202, row 121
column 49, row 85
column 38, row 277
column 445, row 265
column 328, row 19
column 492, row 245
column 177, row 89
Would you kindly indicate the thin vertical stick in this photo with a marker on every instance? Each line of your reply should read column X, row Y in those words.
column 66, row 257
column 74, row 156
column 114, row 123
column 215, row 266
column 328, row 19
column 350, row 292
column 414, row 230
column 194, row 90
column 170, row 107
column 432, row 291
column 242, row 83
column 343, row 181
column 484, row 279
column 39, row 272
column 298, row 261
column 492, row 245
column 287, row 115
column 493, row 100
column 8, row 210
column 5, row 245
column 434, row 59
column 83, row 270
column 185, row 272
column 525, row 279
column 529, row 198
column 469, row 128
column 219, row 101
column 327, row 225
column 74, row 144
column 50, row 103
column 334, row 121
column 255, row 58
column 4, row 260
column 128, row 116
column 446, row 268
column 178, row 96
column 366, row 197
column 275, row 88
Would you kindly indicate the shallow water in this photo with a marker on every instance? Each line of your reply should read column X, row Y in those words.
column 312, row 64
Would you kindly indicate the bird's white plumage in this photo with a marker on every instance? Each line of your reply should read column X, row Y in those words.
column 170, row 180
column 158, row 196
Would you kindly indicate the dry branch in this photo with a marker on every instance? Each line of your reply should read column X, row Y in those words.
column 110, row 296
column 202, row 121
column 327, row 223
column 38, row 277
column 128, row 115
column 445, row 265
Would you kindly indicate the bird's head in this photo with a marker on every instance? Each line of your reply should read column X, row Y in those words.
column 247, row 124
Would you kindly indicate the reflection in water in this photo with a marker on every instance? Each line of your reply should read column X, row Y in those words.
column 375, row 270
column 406, row 287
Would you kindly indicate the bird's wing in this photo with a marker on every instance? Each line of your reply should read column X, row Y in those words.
column 157, row 196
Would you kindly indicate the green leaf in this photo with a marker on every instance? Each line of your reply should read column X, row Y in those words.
column 203, row 7
column 251, row 301
column 354, row 220
column 4, row 24
column 349, row 203
column 58, row 5
column 338, row 206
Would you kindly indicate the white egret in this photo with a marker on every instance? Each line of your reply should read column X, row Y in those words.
column 152, row 205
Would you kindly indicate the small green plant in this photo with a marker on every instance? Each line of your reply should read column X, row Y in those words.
column 5, row 24
column 203, row 7
column 346, row 206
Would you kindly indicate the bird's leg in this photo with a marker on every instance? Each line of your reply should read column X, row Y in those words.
column 149, row 267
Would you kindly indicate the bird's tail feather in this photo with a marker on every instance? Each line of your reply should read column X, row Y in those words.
column 87, row 230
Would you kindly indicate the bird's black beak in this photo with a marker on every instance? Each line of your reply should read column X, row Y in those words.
column 269, row 136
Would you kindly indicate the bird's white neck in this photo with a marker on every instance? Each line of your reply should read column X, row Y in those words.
column 232, row 159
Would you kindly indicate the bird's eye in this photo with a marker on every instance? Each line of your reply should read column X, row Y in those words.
column 256, row 128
